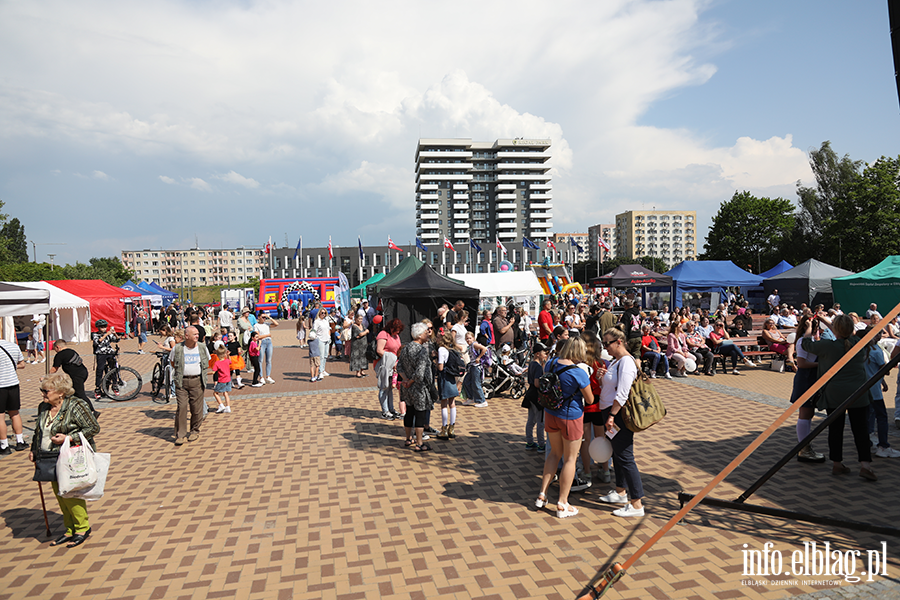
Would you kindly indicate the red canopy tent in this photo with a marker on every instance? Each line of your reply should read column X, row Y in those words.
column 107, row 301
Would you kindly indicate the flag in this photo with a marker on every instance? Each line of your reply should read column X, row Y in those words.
column 421, row 246
column 550, row 244
column 501, row 247
column 529, row 244
column 330, row 251
column 572, row 242
column 448, row 245
column 269, row 245
column 602, row 244
column 299, row 244
column 361, row 255
column 474, row 246
column 393, row 246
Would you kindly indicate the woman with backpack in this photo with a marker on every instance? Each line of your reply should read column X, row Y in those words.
column 564, row 425
column 450, row 367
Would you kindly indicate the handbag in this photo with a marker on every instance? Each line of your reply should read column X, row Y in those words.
column 95, row 492
column 75, row 467
column 44, row 468
column 778, row 365
column 644, row 408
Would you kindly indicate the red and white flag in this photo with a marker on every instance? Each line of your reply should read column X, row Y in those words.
column 448, row 245
column 602, row 244
column 330, row 250
column 393, row 246
column 269, row 245
column 501, row 247
column 550, row 244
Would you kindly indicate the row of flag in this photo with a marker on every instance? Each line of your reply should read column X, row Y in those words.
column 447, row 244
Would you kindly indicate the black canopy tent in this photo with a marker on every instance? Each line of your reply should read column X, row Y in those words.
column 809, row 282
column 632, row 276
column 421, row 294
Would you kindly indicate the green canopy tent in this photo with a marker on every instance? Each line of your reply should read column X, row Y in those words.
column 880, row 284
column 407, row 267
column 360, row 291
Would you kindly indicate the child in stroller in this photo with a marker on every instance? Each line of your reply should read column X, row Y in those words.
column 508, row 375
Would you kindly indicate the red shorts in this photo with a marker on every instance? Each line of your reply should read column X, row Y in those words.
column 780, row 348
column 571, row 429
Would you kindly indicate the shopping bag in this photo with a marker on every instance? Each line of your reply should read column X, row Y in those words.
column 778, row 365
column 95, row 492
column 75, row 467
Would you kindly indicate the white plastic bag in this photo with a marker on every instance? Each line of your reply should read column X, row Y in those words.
column 75, row 467
column 95, row 492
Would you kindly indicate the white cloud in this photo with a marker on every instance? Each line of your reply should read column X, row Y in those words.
column 238, row 179
column 100, row 175
column 199, row 184
column 168, row 180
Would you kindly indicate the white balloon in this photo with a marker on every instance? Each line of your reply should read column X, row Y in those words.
column 601, row 449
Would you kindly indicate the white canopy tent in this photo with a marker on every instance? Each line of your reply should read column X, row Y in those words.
column 70, row 316
column 17, row 300
column 495, row 288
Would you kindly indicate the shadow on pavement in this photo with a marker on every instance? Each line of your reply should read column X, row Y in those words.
column 29, row 522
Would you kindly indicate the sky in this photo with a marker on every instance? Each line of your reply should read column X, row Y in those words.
column 166, row 124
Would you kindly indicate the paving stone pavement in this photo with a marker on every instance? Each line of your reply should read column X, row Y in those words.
column 304, row 492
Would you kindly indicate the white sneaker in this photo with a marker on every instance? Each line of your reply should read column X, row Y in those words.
column 227, row 409
column 614, row 497
column 325, row 374
column 319, row 378
column 469, row 402
column 140, row 352
column 269, row 380
column 43, row 360
column 221, row 409
column 629, row 511
column 480, row 405
column 873, row 437
column 735, row 372
column 668, row 375
column 653, row 375
column 258, row 384
column 749, row 363
column 887, row 453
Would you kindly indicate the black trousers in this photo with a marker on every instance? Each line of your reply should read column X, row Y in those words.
column 858, row 426
column 105, row 362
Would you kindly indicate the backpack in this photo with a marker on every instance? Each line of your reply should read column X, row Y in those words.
column 644, row 408
column 550, row 394
column 454, row 367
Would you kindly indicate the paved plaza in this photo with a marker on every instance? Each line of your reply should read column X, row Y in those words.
column 304, row 492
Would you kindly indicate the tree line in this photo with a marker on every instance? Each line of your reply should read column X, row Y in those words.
column 847, row 219
column 15, row 266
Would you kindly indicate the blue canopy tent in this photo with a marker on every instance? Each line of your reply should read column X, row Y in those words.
column 167, row 296
column 133, row 287
column 777, row 269
column 711, row 276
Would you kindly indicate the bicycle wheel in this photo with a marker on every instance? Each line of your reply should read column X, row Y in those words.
column 155, row 382
column 122, row 383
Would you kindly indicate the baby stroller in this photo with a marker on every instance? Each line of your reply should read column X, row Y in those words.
column 508, row 376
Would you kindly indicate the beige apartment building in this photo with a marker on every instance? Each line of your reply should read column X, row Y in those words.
column 606, row 232
column 666, row 234
column 195, row 267
column 568, row 250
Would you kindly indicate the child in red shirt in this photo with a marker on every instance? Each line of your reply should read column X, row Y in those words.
column 222, row 371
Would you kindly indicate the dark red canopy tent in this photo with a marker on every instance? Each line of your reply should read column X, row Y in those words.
column 107, row 301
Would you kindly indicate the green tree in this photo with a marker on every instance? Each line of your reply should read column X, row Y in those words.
column 866, row 217
column 4, row 253
column 13, row 233
column 109, row 270
column 653, row 263
column 750, row 231
column 818, row 225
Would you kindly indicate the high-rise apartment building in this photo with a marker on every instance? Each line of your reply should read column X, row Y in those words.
column 606, row 232
column 194, row 267
column 666, row 234
column 570, row 251
column 483, row 191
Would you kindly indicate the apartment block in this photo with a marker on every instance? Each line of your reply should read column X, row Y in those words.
column 483, row 191
column 570, row 251
column 669, row 235
column 606, row 232
column 195, row 267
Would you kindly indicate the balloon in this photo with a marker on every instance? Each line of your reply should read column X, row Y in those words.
column 376, row 319
column 600, row 449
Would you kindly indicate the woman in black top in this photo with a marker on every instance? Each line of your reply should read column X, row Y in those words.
column 535, row 411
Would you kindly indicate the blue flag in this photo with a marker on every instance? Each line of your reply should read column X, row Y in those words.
column 529, row 244
column 299, row 243
column 474, row 246
column 361, row 254
column 421, row 246
column 576, row 244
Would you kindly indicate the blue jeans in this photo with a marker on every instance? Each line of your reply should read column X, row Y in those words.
column 627, row 474
column 878, row 413
column 386, row 398
column 472, row 384
column 534, row 424
column 265, row 350
column 655, row 358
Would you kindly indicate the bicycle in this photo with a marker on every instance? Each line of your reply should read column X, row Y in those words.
column 121, row 383
column 161, row 379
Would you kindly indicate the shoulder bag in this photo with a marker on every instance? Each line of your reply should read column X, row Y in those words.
column 644, row 408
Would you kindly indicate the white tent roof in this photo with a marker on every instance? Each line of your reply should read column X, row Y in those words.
column 59, row 298
column 509, row 283
column 22, row 299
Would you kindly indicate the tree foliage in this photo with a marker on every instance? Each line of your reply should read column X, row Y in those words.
column 16, row 247
column 109, row 270
column 751, row 231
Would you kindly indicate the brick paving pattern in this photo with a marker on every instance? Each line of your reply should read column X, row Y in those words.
column 304, row 492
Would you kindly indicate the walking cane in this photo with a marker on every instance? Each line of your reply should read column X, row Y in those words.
column 44, row 506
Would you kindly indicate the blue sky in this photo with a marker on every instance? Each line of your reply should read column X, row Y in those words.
column 130, row 126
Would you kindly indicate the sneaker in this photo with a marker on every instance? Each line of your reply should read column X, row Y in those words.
column 881, row 452
column 141, row 352
column 221, row 409
column 668, row 375
column 481, row 405
column 311, row 379
column 873, row 437
column 23, row 446
column 605, row 476
column 579, row 484
column 180, row 441
column 325, row 374
column 530, row 446
column 629, row 511
column 388, row 416
column 749, row 363
column 270, row 380
column 319, row 378
column 227, row 409
column 5, row 451
column 653, row 375
column 807, row 454
column 735, row 372
column 469, row 402
column 425, row 436
column 43, row 360
column 541, row 447
column 260, row 384
column 431, row 430
column 613, row 497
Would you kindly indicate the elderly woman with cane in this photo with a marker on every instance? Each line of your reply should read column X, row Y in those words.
column 62, row 415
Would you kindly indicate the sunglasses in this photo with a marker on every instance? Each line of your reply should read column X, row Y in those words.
column 44, row 392
column 608, row 344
